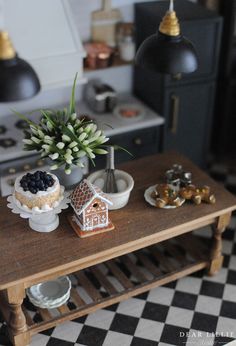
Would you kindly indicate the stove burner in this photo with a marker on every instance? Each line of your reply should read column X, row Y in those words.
column 3, row 129
column 22, row 124
column 7, row 142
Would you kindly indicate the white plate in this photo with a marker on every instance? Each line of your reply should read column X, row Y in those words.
column 50, row 292
column 51, row 305
column 150, row 200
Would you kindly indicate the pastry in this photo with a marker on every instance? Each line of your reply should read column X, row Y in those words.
column 39, row 190
column 197, row 194
column 165, row 195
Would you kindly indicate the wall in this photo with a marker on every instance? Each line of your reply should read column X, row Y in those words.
column 120, row 78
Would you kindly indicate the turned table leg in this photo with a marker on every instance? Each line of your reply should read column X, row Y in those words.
column 18, row 329
column 216, row 252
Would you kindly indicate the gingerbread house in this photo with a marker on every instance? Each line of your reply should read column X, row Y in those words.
column 91, row 206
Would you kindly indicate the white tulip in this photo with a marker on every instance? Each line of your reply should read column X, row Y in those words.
column 65, row 138
column 82, row 136
column 72, row 144
column 68, row 171
column 54, row 156
column 35, row 139
column 27, row 141
column 60, row 145
column 53, row 167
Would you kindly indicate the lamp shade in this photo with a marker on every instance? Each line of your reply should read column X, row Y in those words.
column 167, row 54
column 168, row 51
column 18, row 80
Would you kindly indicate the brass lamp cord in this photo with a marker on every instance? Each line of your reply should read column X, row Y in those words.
column 7, row 50
column 170, row 23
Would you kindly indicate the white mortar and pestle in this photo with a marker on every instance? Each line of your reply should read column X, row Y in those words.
column 115, row 183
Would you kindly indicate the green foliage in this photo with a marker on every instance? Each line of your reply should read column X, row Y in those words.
column 63, row 138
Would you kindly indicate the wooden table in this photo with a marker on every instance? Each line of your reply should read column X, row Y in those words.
column 162, row 245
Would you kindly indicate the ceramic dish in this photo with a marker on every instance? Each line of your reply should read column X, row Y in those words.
column 50, row 292
column 49, row 305
column 129, row 111
column 150, row 200
column 119, row 199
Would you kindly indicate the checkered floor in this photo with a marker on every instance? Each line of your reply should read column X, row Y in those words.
column 196, row 310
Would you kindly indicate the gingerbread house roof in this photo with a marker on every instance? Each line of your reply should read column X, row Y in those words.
column 84, row 194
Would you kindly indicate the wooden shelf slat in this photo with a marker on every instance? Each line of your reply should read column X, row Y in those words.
column 103, row 280
column 133, row 268
column 76, row 298
column 88, row 286
column 63, row 309
column 162, row 259
column 119, row 275
column 148, row 264
column 45, row 314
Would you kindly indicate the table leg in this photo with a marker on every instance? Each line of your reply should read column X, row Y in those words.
column 18, row 329
column 216, row 252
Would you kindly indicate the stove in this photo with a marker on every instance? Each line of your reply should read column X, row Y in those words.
column 14, row 160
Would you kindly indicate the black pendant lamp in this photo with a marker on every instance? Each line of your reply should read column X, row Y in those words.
column 168, row 51
column 18, row 80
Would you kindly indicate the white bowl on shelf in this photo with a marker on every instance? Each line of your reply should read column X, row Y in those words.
column 119, row 199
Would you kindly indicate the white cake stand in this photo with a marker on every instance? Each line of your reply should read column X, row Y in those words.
column 45, row 223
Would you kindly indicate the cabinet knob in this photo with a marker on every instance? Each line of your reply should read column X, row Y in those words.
column 11, row 170
column 138, row 141
column 26, row 167
column 40, row 163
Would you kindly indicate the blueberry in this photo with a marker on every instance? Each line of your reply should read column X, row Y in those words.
column 37, row 176
column 32, row 190
column 50, row 183
column 25, row 188
column 32, row 183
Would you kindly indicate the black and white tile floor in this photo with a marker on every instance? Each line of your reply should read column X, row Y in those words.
column 196, row 310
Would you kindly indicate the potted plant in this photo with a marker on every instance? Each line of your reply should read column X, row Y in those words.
column 64, row 140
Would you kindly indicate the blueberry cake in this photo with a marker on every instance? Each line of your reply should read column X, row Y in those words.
column 39, row 190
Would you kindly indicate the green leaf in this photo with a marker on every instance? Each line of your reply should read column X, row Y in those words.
column 72, row 99
column 47, row 116
column 23, row 117
column 117, row 147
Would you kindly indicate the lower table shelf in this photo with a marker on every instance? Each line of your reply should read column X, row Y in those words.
column 126, row 276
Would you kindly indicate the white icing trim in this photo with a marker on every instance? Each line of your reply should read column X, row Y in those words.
column 44, row 208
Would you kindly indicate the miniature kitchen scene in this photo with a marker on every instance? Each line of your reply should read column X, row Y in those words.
column 117, row 173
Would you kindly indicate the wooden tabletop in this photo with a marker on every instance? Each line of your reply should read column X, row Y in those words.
column 29, row 257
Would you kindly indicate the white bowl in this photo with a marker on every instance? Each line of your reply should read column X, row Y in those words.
column 119, row 199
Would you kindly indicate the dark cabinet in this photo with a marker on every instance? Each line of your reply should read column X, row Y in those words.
column 139, row 143
column 186, row 101
column 223, row 141
column 188, row 111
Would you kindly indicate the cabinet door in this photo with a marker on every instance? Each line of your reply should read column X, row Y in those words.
column 188, row 114
column 139, row 143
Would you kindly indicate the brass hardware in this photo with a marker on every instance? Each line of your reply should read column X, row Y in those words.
column 177, row 76
column 138, row 141
column 7, row 50
column 11, row 182
column 170, row 24
column 26, row 167
column 40, row 163
column 175, row 114
column 11, row 170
